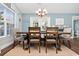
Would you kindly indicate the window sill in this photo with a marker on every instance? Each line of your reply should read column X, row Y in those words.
column 2, row 36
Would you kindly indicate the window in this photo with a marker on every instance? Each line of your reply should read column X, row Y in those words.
column 1, row 28
column 9, row 22
column 6, row 22
column 60, row 21
column 8, row 29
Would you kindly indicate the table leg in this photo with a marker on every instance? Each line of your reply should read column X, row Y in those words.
column 59, row 44
column 23, row 44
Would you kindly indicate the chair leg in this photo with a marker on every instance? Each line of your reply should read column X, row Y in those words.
column 39, row 47
column 23, row 44
column 56, row 49
column 46, row 47
column 19, row 42
column 29, row 47
column 63, row 42
column 69, row 44
column 59, row 45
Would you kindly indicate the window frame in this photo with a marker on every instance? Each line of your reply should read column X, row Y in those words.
column 4, row 9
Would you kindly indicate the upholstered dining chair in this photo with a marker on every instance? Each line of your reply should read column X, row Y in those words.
column 34, row 36
column 52, row 37
column 67, row 37
column 19, row 38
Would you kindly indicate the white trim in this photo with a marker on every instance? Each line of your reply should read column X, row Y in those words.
column 5, row 23
column 73, row 19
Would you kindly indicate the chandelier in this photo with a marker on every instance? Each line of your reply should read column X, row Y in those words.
column 41, row 12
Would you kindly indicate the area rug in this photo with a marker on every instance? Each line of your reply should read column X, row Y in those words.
column 18, row 51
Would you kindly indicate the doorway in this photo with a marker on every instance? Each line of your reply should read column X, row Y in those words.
column 76, row 27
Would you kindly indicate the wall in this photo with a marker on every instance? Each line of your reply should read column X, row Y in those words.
column 25, row 22
column 67, row 19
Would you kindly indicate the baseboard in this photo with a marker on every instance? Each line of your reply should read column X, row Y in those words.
column 5, row 50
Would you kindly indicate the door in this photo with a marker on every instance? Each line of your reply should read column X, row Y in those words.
column 76, row 27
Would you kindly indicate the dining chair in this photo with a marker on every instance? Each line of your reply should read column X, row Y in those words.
column 19, row 39
column 52, row 37
column 67, row 37
column 34, row 36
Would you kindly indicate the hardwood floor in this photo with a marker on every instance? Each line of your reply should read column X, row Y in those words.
column 7, row 49
column 75, row 45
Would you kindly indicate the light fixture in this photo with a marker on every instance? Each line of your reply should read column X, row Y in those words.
column 41, row 12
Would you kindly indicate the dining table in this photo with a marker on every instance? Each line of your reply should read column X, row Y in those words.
column 43, row 33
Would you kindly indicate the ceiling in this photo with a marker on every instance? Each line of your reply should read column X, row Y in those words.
column 51, row 7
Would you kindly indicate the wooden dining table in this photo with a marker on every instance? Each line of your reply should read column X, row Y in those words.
column 43, row 32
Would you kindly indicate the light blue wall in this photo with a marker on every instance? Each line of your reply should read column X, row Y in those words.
column 25, row 22
column 67, row 19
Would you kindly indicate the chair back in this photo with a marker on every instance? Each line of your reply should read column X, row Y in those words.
column 52, row 32
column 34, row 29
column 67, row 30
column 34, row 32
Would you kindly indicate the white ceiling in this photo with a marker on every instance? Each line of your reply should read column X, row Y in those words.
column 51, row 7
